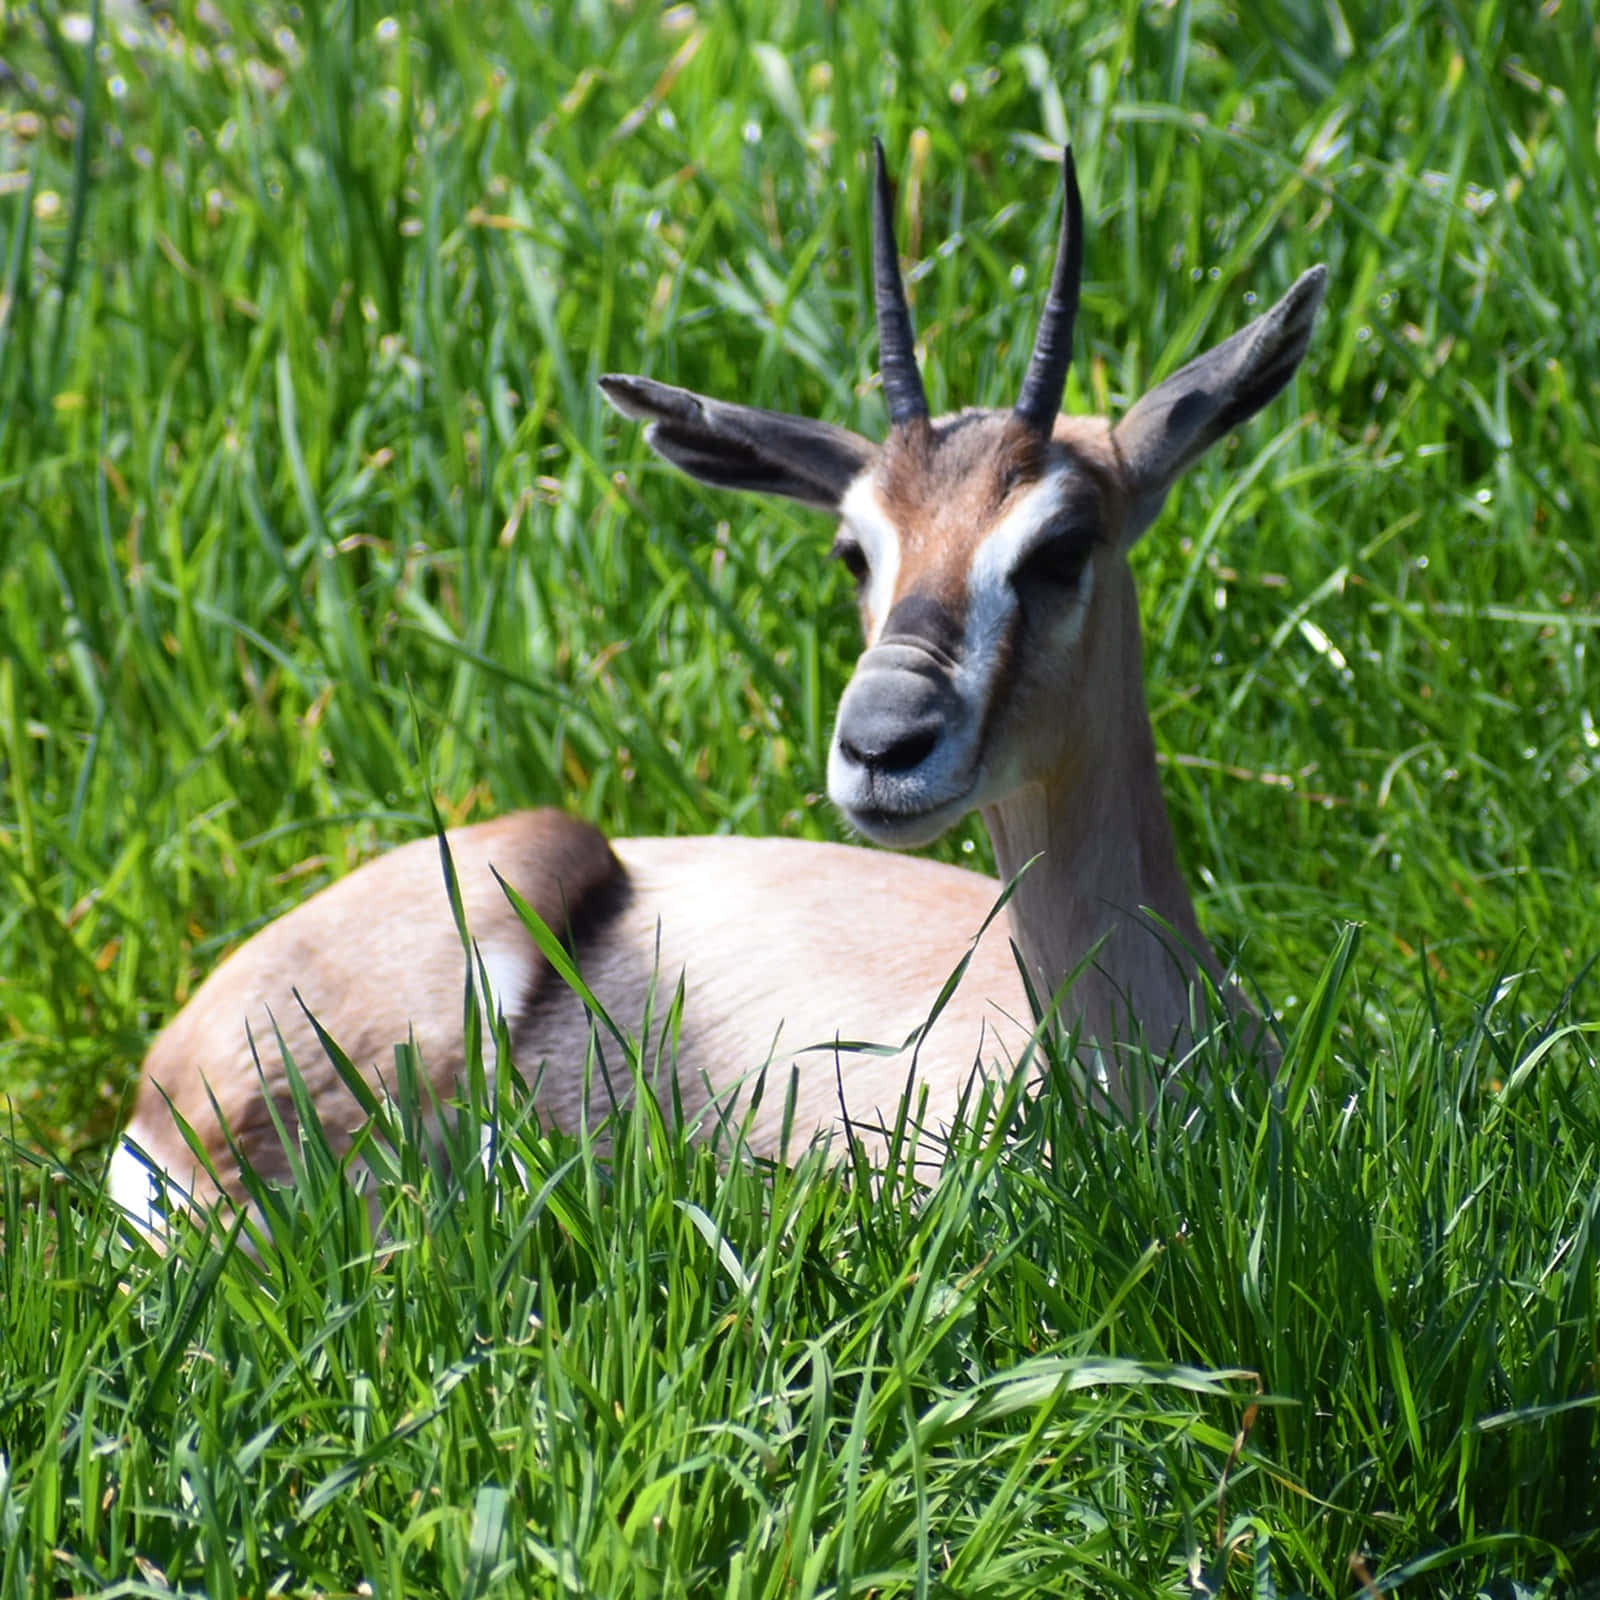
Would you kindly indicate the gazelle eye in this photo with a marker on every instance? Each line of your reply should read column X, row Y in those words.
column 1057, row 561
column 852, row 555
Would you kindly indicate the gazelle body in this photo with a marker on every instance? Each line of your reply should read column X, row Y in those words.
column 767, row 973
column 1002, row 672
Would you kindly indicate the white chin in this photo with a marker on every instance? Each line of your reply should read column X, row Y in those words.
column 905, row 831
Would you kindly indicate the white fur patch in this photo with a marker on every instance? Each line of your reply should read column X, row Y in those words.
column 862, row 513
column 510, row 972
column 991, row 599
column 136, row 1184
column 130, row 1184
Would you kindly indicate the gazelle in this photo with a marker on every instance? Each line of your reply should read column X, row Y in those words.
column 1002, row 672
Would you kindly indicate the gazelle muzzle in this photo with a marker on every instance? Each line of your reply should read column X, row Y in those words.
column 903, row 763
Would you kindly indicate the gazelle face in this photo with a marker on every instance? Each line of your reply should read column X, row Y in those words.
column 976, row 548
column 988, row 547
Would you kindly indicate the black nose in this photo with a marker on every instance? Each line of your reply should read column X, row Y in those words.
column 888, row 745
column 892, row 717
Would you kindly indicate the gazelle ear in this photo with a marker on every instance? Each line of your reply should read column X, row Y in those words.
column 1182, row 417
column 740, row 447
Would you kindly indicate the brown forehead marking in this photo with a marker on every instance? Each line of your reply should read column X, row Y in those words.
column 1092, row 444
column 945, row 484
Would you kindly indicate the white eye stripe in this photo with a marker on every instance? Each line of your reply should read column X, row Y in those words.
column 862, row 514
column 1009, row 542
column 991, row 600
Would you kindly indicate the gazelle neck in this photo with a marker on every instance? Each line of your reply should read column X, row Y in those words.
column 1106, row 878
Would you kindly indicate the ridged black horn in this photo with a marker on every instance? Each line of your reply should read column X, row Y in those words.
column 1040, row 399
column 897, row 354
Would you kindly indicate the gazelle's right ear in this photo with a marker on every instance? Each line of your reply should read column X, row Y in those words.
column 740, row 447
column 1182, row 417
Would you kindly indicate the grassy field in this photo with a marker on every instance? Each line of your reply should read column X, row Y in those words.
column 311, row 515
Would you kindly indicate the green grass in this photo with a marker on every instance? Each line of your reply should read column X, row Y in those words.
column 301, row 458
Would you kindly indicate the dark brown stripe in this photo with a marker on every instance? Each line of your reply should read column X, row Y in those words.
column 920, row 618
column 584, row 890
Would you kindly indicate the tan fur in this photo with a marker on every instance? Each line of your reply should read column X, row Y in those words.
column 377, row 957
column 946, row 485
column 771, row 974
column 373, row 956
column 1092, row 819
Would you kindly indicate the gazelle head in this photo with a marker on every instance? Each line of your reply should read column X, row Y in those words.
column 988, row 546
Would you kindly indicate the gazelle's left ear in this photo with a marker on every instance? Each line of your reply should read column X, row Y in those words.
column 740, row 447
column 1182, row 417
